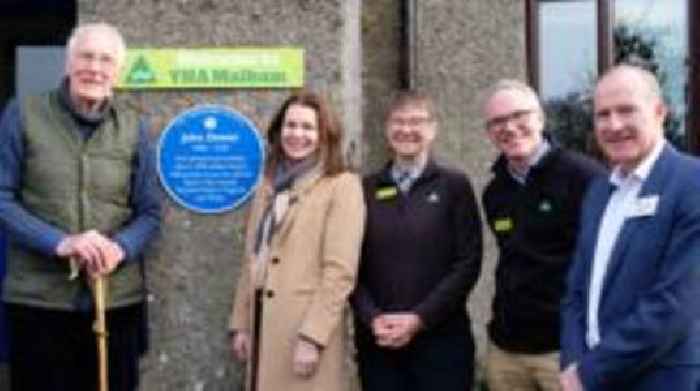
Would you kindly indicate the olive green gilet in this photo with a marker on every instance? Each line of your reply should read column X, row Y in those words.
column 75, row 185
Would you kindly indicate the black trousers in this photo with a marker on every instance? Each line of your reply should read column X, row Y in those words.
column 428, row 363
column 56, row 350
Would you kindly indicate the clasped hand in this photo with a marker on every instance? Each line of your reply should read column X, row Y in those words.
column 94, row 252
column 396, row 329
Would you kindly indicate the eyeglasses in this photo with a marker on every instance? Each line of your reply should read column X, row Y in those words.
column 500, row 122
column 104, row 60
column 409, row 121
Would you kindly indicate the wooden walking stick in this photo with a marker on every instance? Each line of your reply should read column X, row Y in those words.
column 98, row 286
column 99, row 292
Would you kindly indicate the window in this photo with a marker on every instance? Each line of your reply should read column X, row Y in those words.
column 571, row 41
column 567, row 58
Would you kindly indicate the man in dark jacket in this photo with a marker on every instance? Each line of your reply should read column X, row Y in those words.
column 532, row 205
column 421, row 256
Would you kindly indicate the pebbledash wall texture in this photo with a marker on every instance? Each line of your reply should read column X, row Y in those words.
column 354, row 51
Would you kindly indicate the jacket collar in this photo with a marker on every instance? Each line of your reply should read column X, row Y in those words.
column 660, row 171
column 299, row 189
column 429, row 172
column 643, row 170
column 500, row 166
column 301, row 185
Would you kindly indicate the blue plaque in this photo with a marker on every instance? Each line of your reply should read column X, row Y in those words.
column 210, row 158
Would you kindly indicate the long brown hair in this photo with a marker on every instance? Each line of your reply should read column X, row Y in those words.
column 329, row 132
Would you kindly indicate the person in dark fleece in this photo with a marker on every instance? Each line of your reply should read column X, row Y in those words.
column 532, row 206
column 421, row 256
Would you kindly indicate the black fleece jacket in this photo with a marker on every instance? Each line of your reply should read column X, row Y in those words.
column 535, row 226
column 422, row 250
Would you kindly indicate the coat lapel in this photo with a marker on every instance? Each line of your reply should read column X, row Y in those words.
column 652, row 186
column 299, row 190
column 255, row 213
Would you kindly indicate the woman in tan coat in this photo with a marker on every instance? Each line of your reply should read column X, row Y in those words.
column 302, row 246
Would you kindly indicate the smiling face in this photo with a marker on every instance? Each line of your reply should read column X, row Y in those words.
column 299, row 135
column 410, row 131
column 514, row 123
column 628, row 117
column 93, row 65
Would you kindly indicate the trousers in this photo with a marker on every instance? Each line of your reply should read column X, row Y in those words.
column 57, row 350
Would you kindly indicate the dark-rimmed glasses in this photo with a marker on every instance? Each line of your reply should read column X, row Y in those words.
column 500, row 122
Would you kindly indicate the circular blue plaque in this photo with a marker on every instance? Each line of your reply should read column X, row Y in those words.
column 210, row 158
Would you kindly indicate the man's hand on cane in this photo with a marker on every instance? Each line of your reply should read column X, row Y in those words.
column 94, row 252
column 98, row 255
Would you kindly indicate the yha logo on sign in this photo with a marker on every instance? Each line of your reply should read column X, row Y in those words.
column 141, row 72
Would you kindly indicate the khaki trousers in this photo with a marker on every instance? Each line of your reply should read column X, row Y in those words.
column 507, row 371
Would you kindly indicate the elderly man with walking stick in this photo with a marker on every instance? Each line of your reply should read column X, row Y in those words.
column 79, row 202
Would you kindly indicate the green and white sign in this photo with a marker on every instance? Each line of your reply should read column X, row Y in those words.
column 213, row 68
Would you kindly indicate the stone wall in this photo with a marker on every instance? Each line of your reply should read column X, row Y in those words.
column 381, row 39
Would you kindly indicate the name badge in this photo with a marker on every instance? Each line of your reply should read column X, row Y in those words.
column 386, row 193
column 645, row 206
column 503, row 224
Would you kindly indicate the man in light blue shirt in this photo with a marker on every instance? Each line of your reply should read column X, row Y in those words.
column 630, row 317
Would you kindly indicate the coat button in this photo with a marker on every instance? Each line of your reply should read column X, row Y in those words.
column 270, row 294
column 275, row 261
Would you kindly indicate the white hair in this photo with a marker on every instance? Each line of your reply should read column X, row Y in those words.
column 510, row 85
column 101, row 27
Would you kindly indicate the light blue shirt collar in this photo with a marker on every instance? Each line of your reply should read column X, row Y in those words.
column 642, row 171
column 414, row 170
column 536, row 157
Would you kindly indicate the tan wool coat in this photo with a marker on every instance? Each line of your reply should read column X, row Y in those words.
column 312, row 265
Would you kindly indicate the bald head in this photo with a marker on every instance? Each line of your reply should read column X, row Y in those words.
column 634, row 74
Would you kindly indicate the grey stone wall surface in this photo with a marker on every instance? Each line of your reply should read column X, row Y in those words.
column 193, row 267
column 381, row 40
column 462, row 46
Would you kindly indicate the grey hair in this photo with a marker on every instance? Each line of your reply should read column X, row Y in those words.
column 510, row 85
column 411, row 97
column 89, row 28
